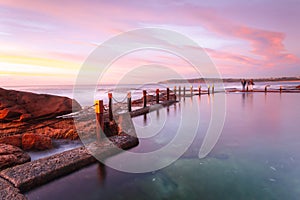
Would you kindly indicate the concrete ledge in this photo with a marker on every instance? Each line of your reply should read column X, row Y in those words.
column 268, row 91
column 9, row 192
column 33, row 174
column 148, row 109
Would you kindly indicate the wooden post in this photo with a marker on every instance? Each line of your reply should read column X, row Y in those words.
column 179, row 88
column 280, row 89
column 183, row 91
column 129, row 101
column 145, row 98
column 168, row 94
column 199, row 89
column 99, row 118
column 175, row 91
column 208, row 89
column 110, row 114
column 213, row 89
column 266, row 89
column 191, row 90
column 157, row 95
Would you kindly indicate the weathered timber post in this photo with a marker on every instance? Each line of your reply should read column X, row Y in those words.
column 213, row 89
column 179, row 88
column 266, row 89
column 280, row 89
column 129, row 101
column 199, row 90
column 168, row 94
column 110, row 114
column 157, row 95
column 145, row 98
column 183, row 91
column 175, row 93
column 208, row 89
column 191, row 90
column 99, row 109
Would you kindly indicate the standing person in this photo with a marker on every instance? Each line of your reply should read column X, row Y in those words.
column 243, row 82
column 250, row 85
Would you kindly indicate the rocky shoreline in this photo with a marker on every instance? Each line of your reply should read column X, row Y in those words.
column 24, row 128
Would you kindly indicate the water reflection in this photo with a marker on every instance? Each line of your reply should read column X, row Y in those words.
column 243, row 99
column 101, row 172
column 265, row 97
column 145, row 119
column 256, row 157
column 208, row 99
column 250, row 99
column 175, row 109
column 199, row 97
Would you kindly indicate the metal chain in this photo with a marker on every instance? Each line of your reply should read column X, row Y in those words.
column 122, row 101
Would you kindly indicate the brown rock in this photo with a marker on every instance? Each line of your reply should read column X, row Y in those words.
column 11, row 156
column 8, row 114
column 23, row 106
column 36, row 142
column 298, row 87
column 15, row 140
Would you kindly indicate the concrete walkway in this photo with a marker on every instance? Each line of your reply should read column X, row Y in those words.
column 32, row 174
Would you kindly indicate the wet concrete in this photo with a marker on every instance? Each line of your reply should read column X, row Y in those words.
column 29, row 175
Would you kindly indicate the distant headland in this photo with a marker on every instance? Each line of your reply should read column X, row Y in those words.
column 229, row 80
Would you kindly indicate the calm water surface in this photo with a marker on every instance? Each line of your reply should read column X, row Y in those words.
column 256, row 157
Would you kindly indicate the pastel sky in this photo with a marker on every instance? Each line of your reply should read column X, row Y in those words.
column 46, row 42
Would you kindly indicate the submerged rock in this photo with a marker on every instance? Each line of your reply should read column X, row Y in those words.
column 36, row 142
column 24, row 106
column 221, row 156
column 28, row 141
column 11, row 156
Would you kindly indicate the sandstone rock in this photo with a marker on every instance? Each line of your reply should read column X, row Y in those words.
column 36, row 142
column 23, row 106
column 11, row 156
column 15, row 140
column 28, row 141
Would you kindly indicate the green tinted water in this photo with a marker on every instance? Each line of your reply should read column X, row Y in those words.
column 256, row 157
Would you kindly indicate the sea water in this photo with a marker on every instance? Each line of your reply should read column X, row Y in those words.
column 120, row 91
column 256, row 157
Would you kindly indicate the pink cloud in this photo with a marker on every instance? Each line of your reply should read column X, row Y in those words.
column 266, row 44
column 89, row 21
column 239, row 59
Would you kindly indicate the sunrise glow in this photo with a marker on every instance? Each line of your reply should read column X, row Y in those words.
column 47, row 42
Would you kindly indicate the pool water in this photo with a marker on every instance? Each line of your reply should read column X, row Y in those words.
column 256, row 157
